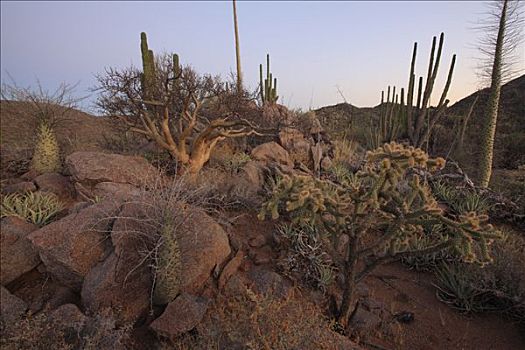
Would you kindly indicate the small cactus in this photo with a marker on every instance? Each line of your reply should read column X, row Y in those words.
column 46, row 156
column 167, row 278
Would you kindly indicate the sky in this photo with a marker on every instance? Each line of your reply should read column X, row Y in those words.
column 320, row 51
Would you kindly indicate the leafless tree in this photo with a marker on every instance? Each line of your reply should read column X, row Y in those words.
column 174, row 112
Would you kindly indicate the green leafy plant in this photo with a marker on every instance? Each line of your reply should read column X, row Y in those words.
column 36, row 207
column 387, row 206
column 471, row 201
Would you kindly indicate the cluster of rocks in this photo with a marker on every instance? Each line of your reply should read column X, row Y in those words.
column 93, row 249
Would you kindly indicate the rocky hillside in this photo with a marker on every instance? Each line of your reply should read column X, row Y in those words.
column 75, row 130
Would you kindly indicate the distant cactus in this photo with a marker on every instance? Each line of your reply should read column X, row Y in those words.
column 46, row 157
column 268, row 87
column 148, row 67
column 391, row 119
column 168, row 269
column 388, row 202
column 417, row 116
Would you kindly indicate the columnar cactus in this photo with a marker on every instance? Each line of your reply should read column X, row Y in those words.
column 148, row 66
column 46, row 156
column 268, row 87
column 388, row 203
column 168, row 269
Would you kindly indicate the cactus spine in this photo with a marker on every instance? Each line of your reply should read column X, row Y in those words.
column 46, row 157
column 268, row 87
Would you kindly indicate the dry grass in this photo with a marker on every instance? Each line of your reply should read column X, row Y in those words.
column 254, row 321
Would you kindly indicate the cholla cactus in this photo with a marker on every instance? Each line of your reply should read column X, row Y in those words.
column 389, row 203
column 168, row 267
column 46, row 157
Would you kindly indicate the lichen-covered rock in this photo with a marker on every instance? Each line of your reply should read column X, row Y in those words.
column 18, row 255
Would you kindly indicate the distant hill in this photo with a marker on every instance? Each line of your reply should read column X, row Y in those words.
column 510, row 129
column 355, row 122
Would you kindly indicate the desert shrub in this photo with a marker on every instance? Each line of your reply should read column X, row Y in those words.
column 461, row 200
column 41, row 332
column 513, row 151
column 234, row 162
column 35, row 207
column 498, row 286
column 305, row 255
column 261, row 321
column 46, row 157
column 381, row 213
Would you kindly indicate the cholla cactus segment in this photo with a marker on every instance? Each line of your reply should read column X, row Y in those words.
column 46, row 157
column 168, row 267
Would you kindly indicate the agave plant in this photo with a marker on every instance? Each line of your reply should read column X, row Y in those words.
column 471, row 201
column 36, row 207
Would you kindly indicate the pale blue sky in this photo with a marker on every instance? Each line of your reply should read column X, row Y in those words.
column 314, row 46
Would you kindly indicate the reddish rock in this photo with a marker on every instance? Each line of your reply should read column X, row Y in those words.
column 272, row 152
column 126, row 289
column 11, row 307
column 254, row 172
column 269, row 282
column 18, row 255
column 181, row 316
column 20, row 187
column 93, row 167
column 261, row 256
column 257, row 241
column 72, row 246
column 203, row 245
column 107, row 190
column 231, row 268
column 57, row 184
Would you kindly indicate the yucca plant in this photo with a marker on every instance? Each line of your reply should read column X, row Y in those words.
column 36, row 207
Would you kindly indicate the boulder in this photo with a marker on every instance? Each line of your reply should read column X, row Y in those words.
column 73, row 245
column 181, row 316
column 269, row 282
column 20, row 187
column 91, row 168
column 107, row 190
column 123, row 288
column 11, row 307
column 230, row 269
column 203, row 245
column 57, row 184
column 293, row 140
column 18, row 255
column 254, row 172
column 272, row 152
